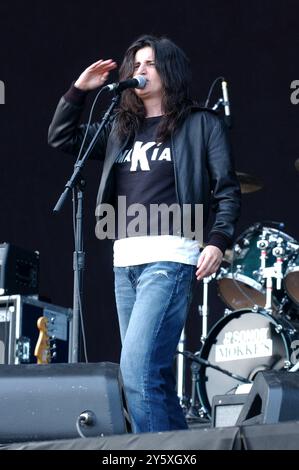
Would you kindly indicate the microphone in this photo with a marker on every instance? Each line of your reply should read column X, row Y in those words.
column 137, row 82
column 226, row 104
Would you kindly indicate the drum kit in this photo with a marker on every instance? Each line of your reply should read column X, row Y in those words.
column 260, row 328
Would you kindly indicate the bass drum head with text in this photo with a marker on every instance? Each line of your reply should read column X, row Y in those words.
column 244, row 342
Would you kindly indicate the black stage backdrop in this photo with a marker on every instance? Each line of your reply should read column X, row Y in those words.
column 44, row 45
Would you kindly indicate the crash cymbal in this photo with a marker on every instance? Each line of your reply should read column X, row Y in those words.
column 248, row 183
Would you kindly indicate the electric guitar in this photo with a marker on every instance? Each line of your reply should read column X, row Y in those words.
column 42, row 348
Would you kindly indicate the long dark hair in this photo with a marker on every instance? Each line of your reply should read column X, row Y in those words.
column 174, row 70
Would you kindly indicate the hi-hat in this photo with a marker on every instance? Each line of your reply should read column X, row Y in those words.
column 248, row 183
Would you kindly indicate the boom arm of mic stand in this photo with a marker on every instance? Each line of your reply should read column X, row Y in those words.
column 206, row 363
column 79, row 165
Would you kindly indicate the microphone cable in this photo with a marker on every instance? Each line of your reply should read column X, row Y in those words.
column 218, row 79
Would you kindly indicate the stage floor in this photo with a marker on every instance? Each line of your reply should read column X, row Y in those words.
column 282, row 436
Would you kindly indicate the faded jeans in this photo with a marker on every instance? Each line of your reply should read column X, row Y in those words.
column 152, row 304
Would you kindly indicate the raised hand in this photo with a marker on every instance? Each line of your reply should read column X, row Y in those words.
column 95, row 75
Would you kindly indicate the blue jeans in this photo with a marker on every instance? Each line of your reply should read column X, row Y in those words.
column 152, row 304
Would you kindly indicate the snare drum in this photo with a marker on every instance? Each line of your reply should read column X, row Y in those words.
column 244, row 342
column 242, row 284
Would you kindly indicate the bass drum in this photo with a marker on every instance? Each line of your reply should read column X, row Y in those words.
column 244, row 342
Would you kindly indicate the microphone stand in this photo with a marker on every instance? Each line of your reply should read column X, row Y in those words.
column 77, row 182
column 217, row 104
column 227, row 119
column 204, row 362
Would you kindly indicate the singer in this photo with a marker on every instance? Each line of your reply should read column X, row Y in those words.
column 159, row 148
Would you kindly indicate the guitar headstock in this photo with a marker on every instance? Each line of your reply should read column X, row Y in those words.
column 42, row 348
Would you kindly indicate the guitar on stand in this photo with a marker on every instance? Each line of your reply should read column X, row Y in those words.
column 42, row 349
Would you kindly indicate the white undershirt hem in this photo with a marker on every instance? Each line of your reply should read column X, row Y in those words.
column 133, row 251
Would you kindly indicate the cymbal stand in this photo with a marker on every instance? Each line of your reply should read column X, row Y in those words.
column 204, row 309
column 278, row 252
column 194, row 410
column 262, row 245
column 180, row 369
column 268, row 274
column 273, row 272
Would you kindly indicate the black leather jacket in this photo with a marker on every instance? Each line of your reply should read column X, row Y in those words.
column 203, row 165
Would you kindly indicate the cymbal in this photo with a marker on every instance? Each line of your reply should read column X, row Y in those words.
column 248, row 183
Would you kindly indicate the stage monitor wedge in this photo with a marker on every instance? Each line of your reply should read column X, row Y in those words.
column 61, row 401
column 273, row 398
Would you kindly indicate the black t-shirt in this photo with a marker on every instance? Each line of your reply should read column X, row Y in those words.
column 144, row 173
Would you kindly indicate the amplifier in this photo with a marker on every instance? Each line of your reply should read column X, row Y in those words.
column 19, row 270
column 19, row 332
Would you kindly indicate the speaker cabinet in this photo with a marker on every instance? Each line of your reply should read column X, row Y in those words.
column 61, row 401
column 273, row 398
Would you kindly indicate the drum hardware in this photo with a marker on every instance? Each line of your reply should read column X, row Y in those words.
column 243, row 283
column 246, row 242
column 262, row 245
column 244, row 342
column 203, row 309
column 194, row 411
column 197, row 362
column 180, row 369
column 263, row 271
column 273, row 272
column 295, row 367
column 268, row 274
column 226, row 312
column 237, row 249
column 180, row 362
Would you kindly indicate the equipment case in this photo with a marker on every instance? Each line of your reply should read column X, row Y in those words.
column 19, row 332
